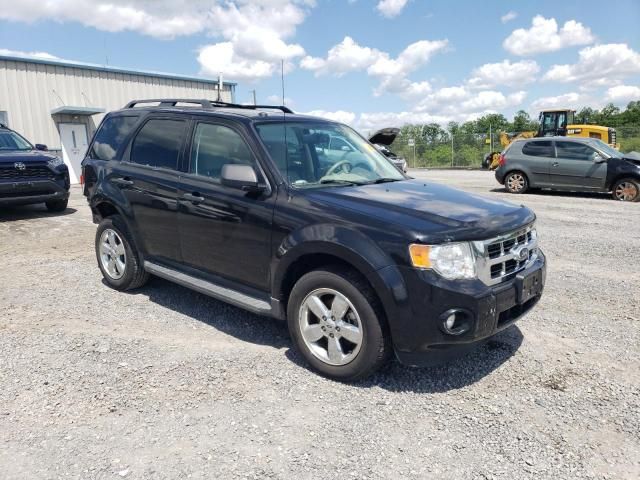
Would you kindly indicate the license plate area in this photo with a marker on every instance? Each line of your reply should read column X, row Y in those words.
column 529, row 286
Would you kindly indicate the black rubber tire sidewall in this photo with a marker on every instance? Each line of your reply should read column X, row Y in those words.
column 373, row 351
column 133, row 270
column 632, row 180
column 526, row 182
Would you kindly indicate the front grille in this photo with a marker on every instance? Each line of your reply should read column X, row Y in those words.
column 30, row 172
column 500, row 258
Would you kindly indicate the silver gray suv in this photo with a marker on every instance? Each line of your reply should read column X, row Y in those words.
column 572, row 164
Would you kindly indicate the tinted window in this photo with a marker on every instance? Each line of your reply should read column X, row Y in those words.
column 215, row 146
column 158, row 143
column 12, row 141
column 112, row 134
column 538, row 149
column 575, row 151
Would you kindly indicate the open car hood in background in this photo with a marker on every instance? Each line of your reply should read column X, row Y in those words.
column 386, row 136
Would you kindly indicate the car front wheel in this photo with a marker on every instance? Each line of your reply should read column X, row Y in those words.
column 336, row 322
column 626, row 190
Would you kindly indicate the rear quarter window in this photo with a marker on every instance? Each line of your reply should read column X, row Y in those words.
column 539, row 149
column 111, row 136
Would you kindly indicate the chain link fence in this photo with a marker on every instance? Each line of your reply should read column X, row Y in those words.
column 469, row 150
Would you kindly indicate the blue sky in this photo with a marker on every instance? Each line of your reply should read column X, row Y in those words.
column 461, row 59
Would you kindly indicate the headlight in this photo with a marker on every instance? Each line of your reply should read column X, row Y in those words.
column 452, row 260
column 55, row 162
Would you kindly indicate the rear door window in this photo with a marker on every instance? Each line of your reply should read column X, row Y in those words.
column 111, row 137
column 158, row 143
column 539, row 149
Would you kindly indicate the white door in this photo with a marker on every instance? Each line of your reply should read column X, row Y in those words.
column 73, row 137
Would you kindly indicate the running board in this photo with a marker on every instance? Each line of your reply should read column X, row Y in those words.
column 252, row 304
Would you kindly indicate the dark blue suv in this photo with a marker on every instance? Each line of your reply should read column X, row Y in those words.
column 29, row 174
column 263, row 208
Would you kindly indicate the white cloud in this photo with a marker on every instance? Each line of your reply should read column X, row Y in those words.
column 163, row 18
column 18, row 53
column 598, row 65
column 623, row 93
column 251, row 34
column 346, row 56
column 504, row 73
column 459, row 100
column 337, row 116
column 349, row 56
column 568, row 100
column 544, row 36
column 507, row 17
column 391, row 8
column 277, row 100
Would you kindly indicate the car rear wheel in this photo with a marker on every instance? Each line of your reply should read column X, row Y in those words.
column 626, row 190
column 516, row 182
column 57, row 205
column 117, row 257
column 336, row 322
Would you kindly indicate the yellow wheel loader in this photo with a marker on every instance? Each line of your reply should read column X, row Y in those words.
column 559, row 122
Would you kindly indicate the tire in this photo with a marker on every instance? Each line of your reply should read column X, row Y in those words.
column 626, row 190
column 363, row 349
column 117, row 256
column 516, row 182
column 57, row 205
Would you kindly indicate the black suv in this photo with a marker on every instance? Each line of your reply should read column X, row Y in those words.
column 29, row 174
column 251, row 206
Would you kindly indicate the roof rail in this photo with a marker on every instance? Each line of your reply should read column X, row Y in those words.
column 206, row 104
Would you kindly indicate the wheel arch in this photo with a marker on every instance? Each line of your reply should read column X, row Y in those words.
column 298, row 256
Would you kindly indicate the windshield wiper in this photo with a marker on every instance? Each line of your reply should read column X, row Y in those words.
column 385, row 180
column 339, row 181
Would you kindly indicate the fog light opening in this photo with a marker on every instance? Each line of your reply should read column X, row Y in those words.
column 455, row 322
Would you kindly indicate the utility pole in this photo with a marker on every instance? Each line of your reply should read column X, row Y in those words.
column 490, row 138
column 452, row 149
column 254, row 96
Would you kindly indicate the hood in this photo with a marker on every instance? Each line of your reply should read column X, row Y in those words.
column 633, row 157
column 428, row 211
column 386, row 136
column 28, row 156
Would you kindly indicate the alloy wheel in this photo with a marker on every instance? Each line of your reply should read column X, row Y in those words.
column 113, row 256
column 515, row 182
column 330, row 326
column 626, row 191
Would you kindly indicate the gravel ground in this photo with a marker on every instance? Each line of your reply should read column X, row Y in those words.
column 167, row 383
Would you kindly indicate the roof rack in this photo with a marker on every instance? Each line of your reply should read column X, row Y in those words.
column 206, row 104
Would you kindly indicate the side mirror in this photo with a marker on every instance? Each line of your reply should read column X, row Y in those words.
column 598, row 159
column 40, row 146
column 242, row 177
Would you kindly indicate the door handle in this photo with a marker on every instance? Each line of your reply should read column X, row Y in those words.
column 555, row 164
column 122, row 181
column 193, row 197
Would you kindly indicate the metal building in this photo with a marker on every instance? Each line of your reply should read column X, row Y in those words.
column 60, row 103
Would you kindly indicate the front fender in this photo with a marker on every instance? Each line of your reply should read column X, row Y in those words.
column 349, row 246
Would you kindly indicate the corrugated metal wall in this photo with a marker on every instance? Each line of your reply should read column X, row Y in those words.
column 29, row 91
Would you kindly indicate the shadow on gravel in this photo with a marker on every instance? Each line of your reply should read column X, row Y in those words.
column 28, row 212
column 556, row 193
column 394, row 377
column 226, row 318
column 452, row 375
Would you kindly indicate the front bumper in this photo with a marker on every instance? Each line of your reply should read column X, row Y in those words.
column 416, row 327
column 34, row 190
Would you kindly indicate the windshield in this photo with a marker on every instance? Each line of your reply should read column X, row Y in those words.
column 606, row 149
column 12, row 141
column 312, row 154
